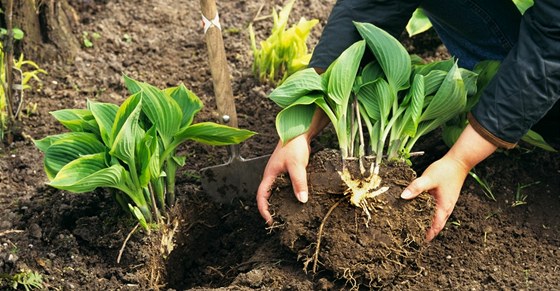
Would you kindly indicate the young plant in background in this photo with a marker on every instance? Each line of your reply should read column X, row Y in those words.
column 131, row 148
column 285, row 51
column 26, row 71
column 391, row 98
column 27, row 279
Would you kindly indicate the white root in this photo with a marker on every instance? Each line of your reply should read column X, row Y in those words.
column 363, row 189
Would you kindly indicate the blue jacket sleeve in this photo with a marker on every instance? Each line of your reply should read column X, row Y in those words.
column 339, row 32
column 528, row 82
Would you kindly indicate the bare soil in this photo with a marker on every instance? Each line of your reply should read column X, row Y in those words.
column 74, row 241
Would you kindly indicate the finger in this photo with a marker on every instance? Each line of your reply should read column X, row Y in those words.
column 419, row 185
column 438, row 223
column 263, row 194
column 298, row 177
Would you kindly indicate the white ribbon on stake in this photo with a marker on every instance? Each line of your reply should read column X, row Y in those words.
column 209, row 23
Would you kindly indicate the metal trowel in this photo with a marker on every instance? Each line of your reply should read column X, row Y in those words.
column 239, row 177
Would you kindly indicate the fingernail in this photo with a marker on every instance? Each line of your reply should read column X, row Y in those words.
column 302, row 196
column 406, row 194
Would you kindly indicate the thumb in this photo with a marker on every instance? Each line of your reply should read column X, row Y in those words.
column 298, row 177
column 419, row 185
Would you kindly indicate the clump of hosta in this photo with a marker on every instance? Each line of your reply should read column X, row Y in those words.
column 393, row 99
column 132, row 147
column 285, row 51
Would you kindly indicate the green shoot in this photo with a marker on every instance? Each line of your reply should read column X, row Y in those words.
column 88, row 39
column 28, row 279
column 520, row 198
column 131, row 147
column 285, row 51
column 27, row 72
column 486, row 188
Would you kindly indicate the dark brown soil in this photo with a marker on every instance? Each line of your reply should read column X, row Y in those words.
column 367, row 247
column 73, row 241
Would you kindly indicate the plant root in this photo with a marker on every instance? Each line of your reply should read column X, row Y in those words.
column 362, row 189
column 125, row 241
column 320, row 234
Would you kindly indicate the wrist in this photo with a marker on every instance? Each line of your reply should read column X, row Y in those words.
column 470, row 149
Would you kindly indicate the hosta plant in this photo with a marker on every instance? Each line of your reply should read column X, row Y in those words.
column 285, row 50
column 131, row 147
column 392, row 99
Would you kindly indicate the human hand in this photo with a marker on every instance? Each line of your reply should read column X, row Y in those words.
column 293, row 158
column 443, row 180
column 445, row 177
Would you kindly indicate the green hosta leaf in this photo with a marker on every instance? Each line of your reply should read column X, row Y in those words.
column 104, row 114
column 433, row 80
column 124, row 145
column 180, row 160
column 147, row 153
column 299, row 84
column 377, row 99
column 449, row 100
column 469, row 79
column 161, row 109
column 414, row 109
column 372, row 72
column 213, row 134
column 389, row 52
column 343, row 73
column 425, row 69
column 123, row 113
column 187, row 101
column 139, row 216
column 485, row 70
column 451, row 133
column 418, row 23
column 523, row 5
column 293, row 121
column 296, row 118
column 76, row 120
column 88, row 172
column 68, row 147
column 535, row 139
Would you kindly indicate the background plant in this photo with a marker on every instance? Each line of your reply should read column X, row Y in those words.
column 29, row 280
column 21, row 73
column 395, row 99
column 285, row 50
column 131, row 148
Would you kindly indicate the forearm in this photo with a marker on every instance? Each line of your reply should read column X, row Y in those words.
column 318, row 123
column 470, row 149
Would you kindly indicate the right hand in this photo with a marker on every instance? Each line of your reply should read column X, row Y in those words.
column 293, row 158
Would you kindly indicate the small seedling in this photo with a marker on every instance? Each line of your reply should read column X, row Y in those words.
column 521, row 198
column 87, row 41
column 28, row 279
column 127, row 38
column 25, row 73
column 486, row 188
